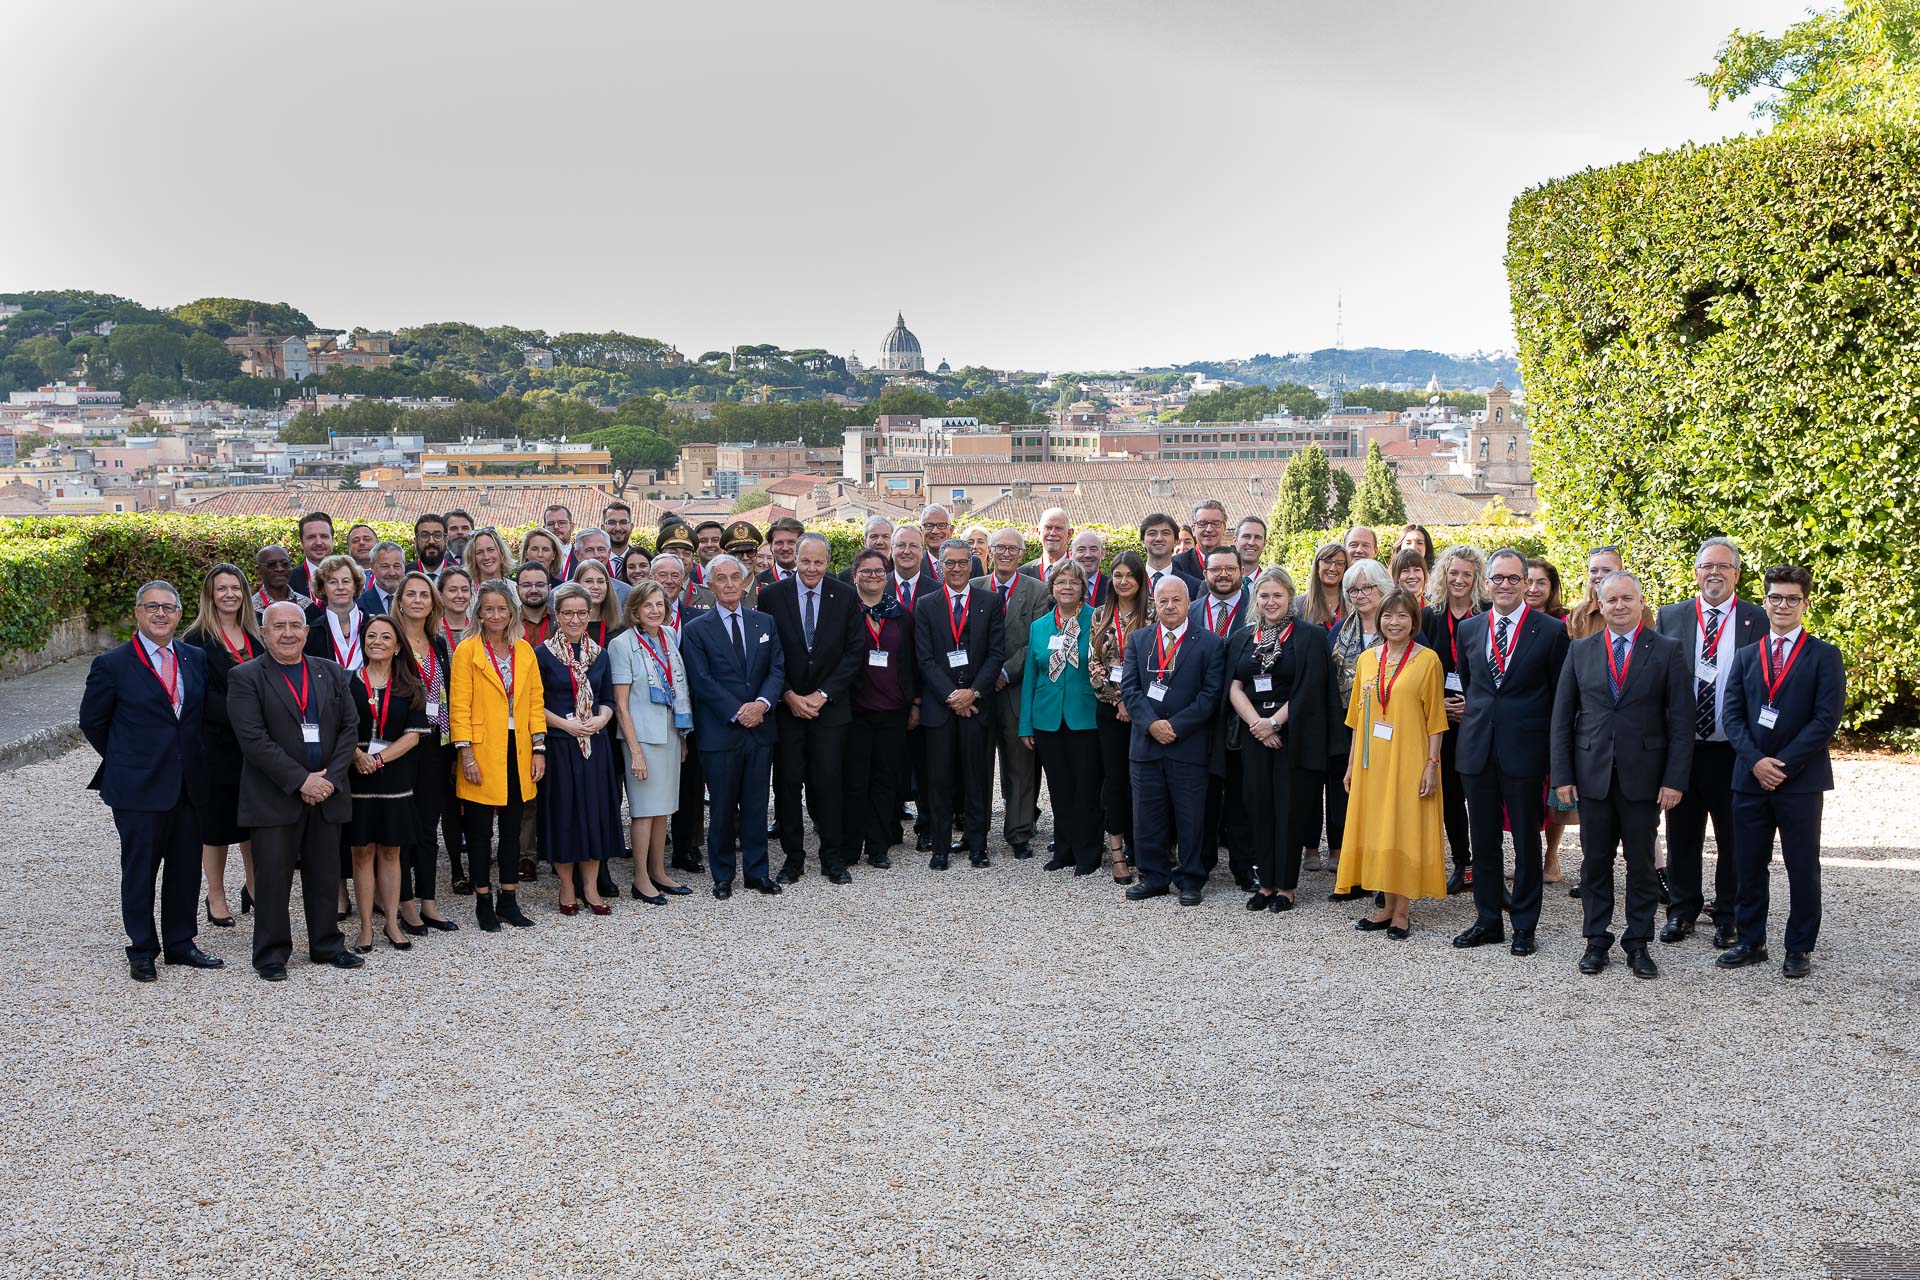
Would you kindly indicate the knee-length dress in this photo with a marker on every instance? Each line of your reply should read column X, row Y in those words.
column 384, row 809
column 646, row 669
column 1394, row 839
column 220, row 820
column 579, row 797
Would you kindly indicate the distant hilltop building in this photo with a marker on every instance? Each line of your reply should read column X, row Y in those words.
column 900, row 350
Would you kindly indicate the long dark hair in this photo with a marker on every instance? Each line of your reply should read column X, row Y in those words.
column 405, row 675
column 1142, row 608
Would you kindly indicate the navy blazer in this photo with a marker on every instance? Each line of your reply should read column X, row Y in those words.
column 1509, row 728
column 148, row 759
column 1196, row 588
column 1809, row 706
column 720, row 687
column 1200, row 612
column 1646, row 738
column 985, row 635
column 370, row 602
column 1192, row 705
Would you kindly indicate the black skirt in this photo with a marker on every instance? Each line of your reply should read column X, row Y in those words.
column 220, row 820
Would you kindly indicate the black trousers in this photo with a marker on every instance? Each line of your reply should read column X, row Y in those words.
column 1453, row 800
column 1757, row 815
column 312, row 845
column 1525, row 802
column 432, row 790
column 163, row 849
column 1169, row 806
column 1709, row 796
column 808, row 754
column 1271, row 857
column 959, row 779
column 1070, row 759
column 1116, row 791
column 1606, row 826
column 1330, row 799
column 480, row 822
column 1226, row 821
column 688, row 826
column 876, row 758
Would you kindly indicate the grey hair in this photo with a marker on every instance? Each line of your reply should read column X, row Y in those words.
column 388, row 545
column 813, row 536
column 877, row 520
column 994, row 537
column 1717, row 542
column 932, row 507
column 161, row 584
column 568, row 591
column 724, row 558
column 594, row 532
column 678, row 563
column 1616, row 576
column 1370, row 569
column 277, row 604
column 957, row 544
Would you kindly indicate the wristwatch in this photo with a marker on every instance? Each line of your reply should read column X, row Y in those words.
column 1273, row 722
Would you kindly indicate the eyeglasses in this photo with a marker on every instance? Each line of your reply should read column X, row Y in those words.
column 1362, row 588
column 1775, row 601
column 174, row 608
column 869, row 573
column 1209, row 524
column 1505, row 579
column 1722, row 565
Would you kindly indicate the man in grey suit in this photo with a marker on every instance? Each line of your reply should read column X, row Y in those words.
column 1622, row 747
column 1712, row 627
column 295, row 720
column 1022, row 599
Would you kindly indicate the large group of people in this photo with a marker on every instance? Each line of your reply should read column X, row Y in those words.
column 1396, row 719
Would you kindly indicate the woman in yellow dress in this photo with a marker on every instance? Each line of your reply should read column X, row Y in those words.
column 1394, row 842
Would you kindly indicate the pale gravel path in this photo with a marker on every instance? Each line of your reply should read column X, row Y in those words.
column 987, row 1073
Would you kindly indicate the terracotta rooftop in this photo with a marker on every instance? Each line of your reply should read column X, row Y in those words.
column 505, row 505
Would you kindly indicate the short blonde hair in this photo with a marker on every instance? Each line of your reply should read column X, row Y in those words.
column 330, row 566
column 504, row 589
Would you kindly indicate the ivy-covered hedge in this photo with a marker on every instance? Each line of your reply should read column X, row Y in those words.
column 1726, row 340
column 42, row 581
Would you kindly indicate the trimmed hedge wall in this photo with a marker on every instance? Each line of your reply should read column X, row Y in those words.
column 1726, row 340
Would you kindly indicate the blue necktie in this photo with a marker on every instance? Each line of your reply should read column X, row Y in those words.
column 1619, row 663
column 806, row 621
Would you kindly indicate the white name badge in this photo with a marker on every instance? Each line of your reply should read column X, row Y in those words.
column 375, row 746
column 1706, row 672
column 1054, row 643
column 956, row 658
column 1453, row 683
column 1156, row 691
column 1263, row 684
column 876, row 657
column 1383, row 730
column 309, row 733
column 433, row 709
column 1768, row 717
column 1113, row 676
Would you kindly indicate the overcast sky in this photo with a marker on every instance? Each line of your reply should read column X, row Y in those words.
column 1035, row 183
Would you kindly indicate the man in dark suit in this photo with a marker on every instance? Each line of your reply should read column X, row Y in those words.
column 1510, row 660
column 736, row 674
column 1090, row 552
column 936, row 526
column 1055, row 535
column 389, row 567
column 1225, row 609
column 429, row 546
column 1783, row 705
column 1713, row 627
column 142, row 711
column 316, row 544
column 1022, row 598
column 1159, row 534
column 960, row 648
column 817, row 621
column 913, row 575
column 294, row 718
column 783, row 540
column 1209, row 521
column 1622, row 749
column 1171, row 684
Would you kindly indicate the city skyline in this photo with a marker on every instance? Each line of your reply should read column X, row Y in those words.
column 1170, row 187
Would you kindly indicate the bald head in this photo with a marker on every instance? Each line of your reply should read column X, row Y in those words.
column 284, row 625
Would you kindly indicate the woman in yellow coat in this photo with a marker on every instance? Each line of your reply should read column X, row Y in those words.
column 1398, row 713
column 497, row 711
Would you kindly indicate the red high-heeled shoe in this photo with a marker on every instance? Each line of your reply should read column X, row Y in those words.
column 569, row 908
column 600, row 908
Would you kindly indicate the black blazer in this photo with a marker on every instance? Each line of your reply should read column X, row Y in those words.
column 930, row 568
column 838, row 648
column 1196, row 587
column 1435, row 635
column 986, row 643
column 1748, row 624
column 320, row 634
column 1192, row 705
column 148, row 759
column 1313, row 700
column 1509, row 728
column 1647, row 737
column 266, row 721
column 223, row 749
column 1809, row 706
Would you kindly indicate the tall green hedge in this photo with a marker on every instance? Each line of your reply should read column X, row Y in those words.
column 1726, row 340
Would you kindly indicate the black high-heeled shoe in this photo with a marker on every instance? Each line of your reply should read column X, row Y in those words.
column 402, row 945
column 676, row 890
column 414, row 930
column 443, row 925
column 221, row 922
column 246, row 901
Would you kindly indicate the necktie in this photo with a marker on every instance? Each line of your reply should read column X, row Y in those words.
column 1158, row 574
column 1220, row 616
column 1006, row 592
column 1703, row 690
column 1619, row 662
column 1166, row 649
column 739, row 639
column 806, row 621
column 1500, row 644
column 1779, row 657
column 168, row 679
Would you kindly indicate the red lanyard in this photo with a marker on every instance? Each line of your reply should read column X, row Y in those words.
column 1221, row 628
column 300, row 698
column 1162, row 656
column 1259, row 635
column 1619, row 673
column 378, row 709
column 353, row 644
column 506, row 677
column 432, row 671
column 1006, row 590
column 1385, row 687
column 874, row 631
column 660, row 659
column 1500, row 659
column 539, row 637
column 959, row 624
column 245, row 639
column 603, row 633
column 447, row 627
column 1710, row 643
column 170, row 682
column 1060, row 623
column 673, row 617
column 1093, row 589
column 1767, row 677
column 1338, row 618
column 1453, row 640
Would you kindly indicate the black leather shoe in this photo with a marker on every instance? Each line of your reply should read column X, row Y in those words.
column 344, row 960
column 1366, row 924
column 443, row 925
column 768, row 887
column 1522, row 943
column 839, row 876
column 1741, row 955
column 1641, row 964
column 141, row 969
column 194, row 958
column 675, row 890
column 414, row 930
column 1348, row 896
column 1140, row 892
column 272, row 972
column 1724, row 936
column 1055, row 863
column 1280, row 902
column 923, row 843
column 1480, row 935
column 218, row 922
column 979, row 860
column 1022, row 850
column 1190, row 898
column 1260, row 902
column 1457, row 881
column 1676, row 929
column 1398, row 934
column 1596, row 958
column 723, row 891
column 879, row 861
column 790, row 873
column 1798, row 965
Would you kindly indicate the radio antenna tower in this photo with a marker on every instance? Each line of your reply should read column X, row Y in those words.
column 1337, row 384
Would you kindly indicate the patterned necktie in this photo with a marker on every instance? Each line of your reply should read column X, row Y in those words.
column 1614, row 672
column 1220, row 617
column 169, row 679
column 1500, row 645
column 1703, row 690
column 739, row 639
column 1779, row 657
column 806, row 622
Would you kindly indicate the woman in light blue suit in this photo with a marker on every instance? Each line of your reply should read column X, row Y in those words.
column 650, row 699
column 1058, row 720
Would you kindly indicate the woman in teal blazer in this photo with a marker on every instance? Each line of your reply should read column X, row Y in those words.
column 1058, row 720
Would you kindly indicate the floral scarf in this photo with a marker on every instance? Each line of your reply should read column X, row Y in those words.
column 1348, row 642
column 582, row 686
column 1067, row 652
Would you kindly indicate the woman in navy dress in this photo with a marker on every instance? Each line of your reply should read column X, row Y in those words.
column 579, row 798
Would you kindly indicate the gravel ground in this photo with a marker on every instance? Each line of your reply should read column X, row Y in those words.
column 981, row 1073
